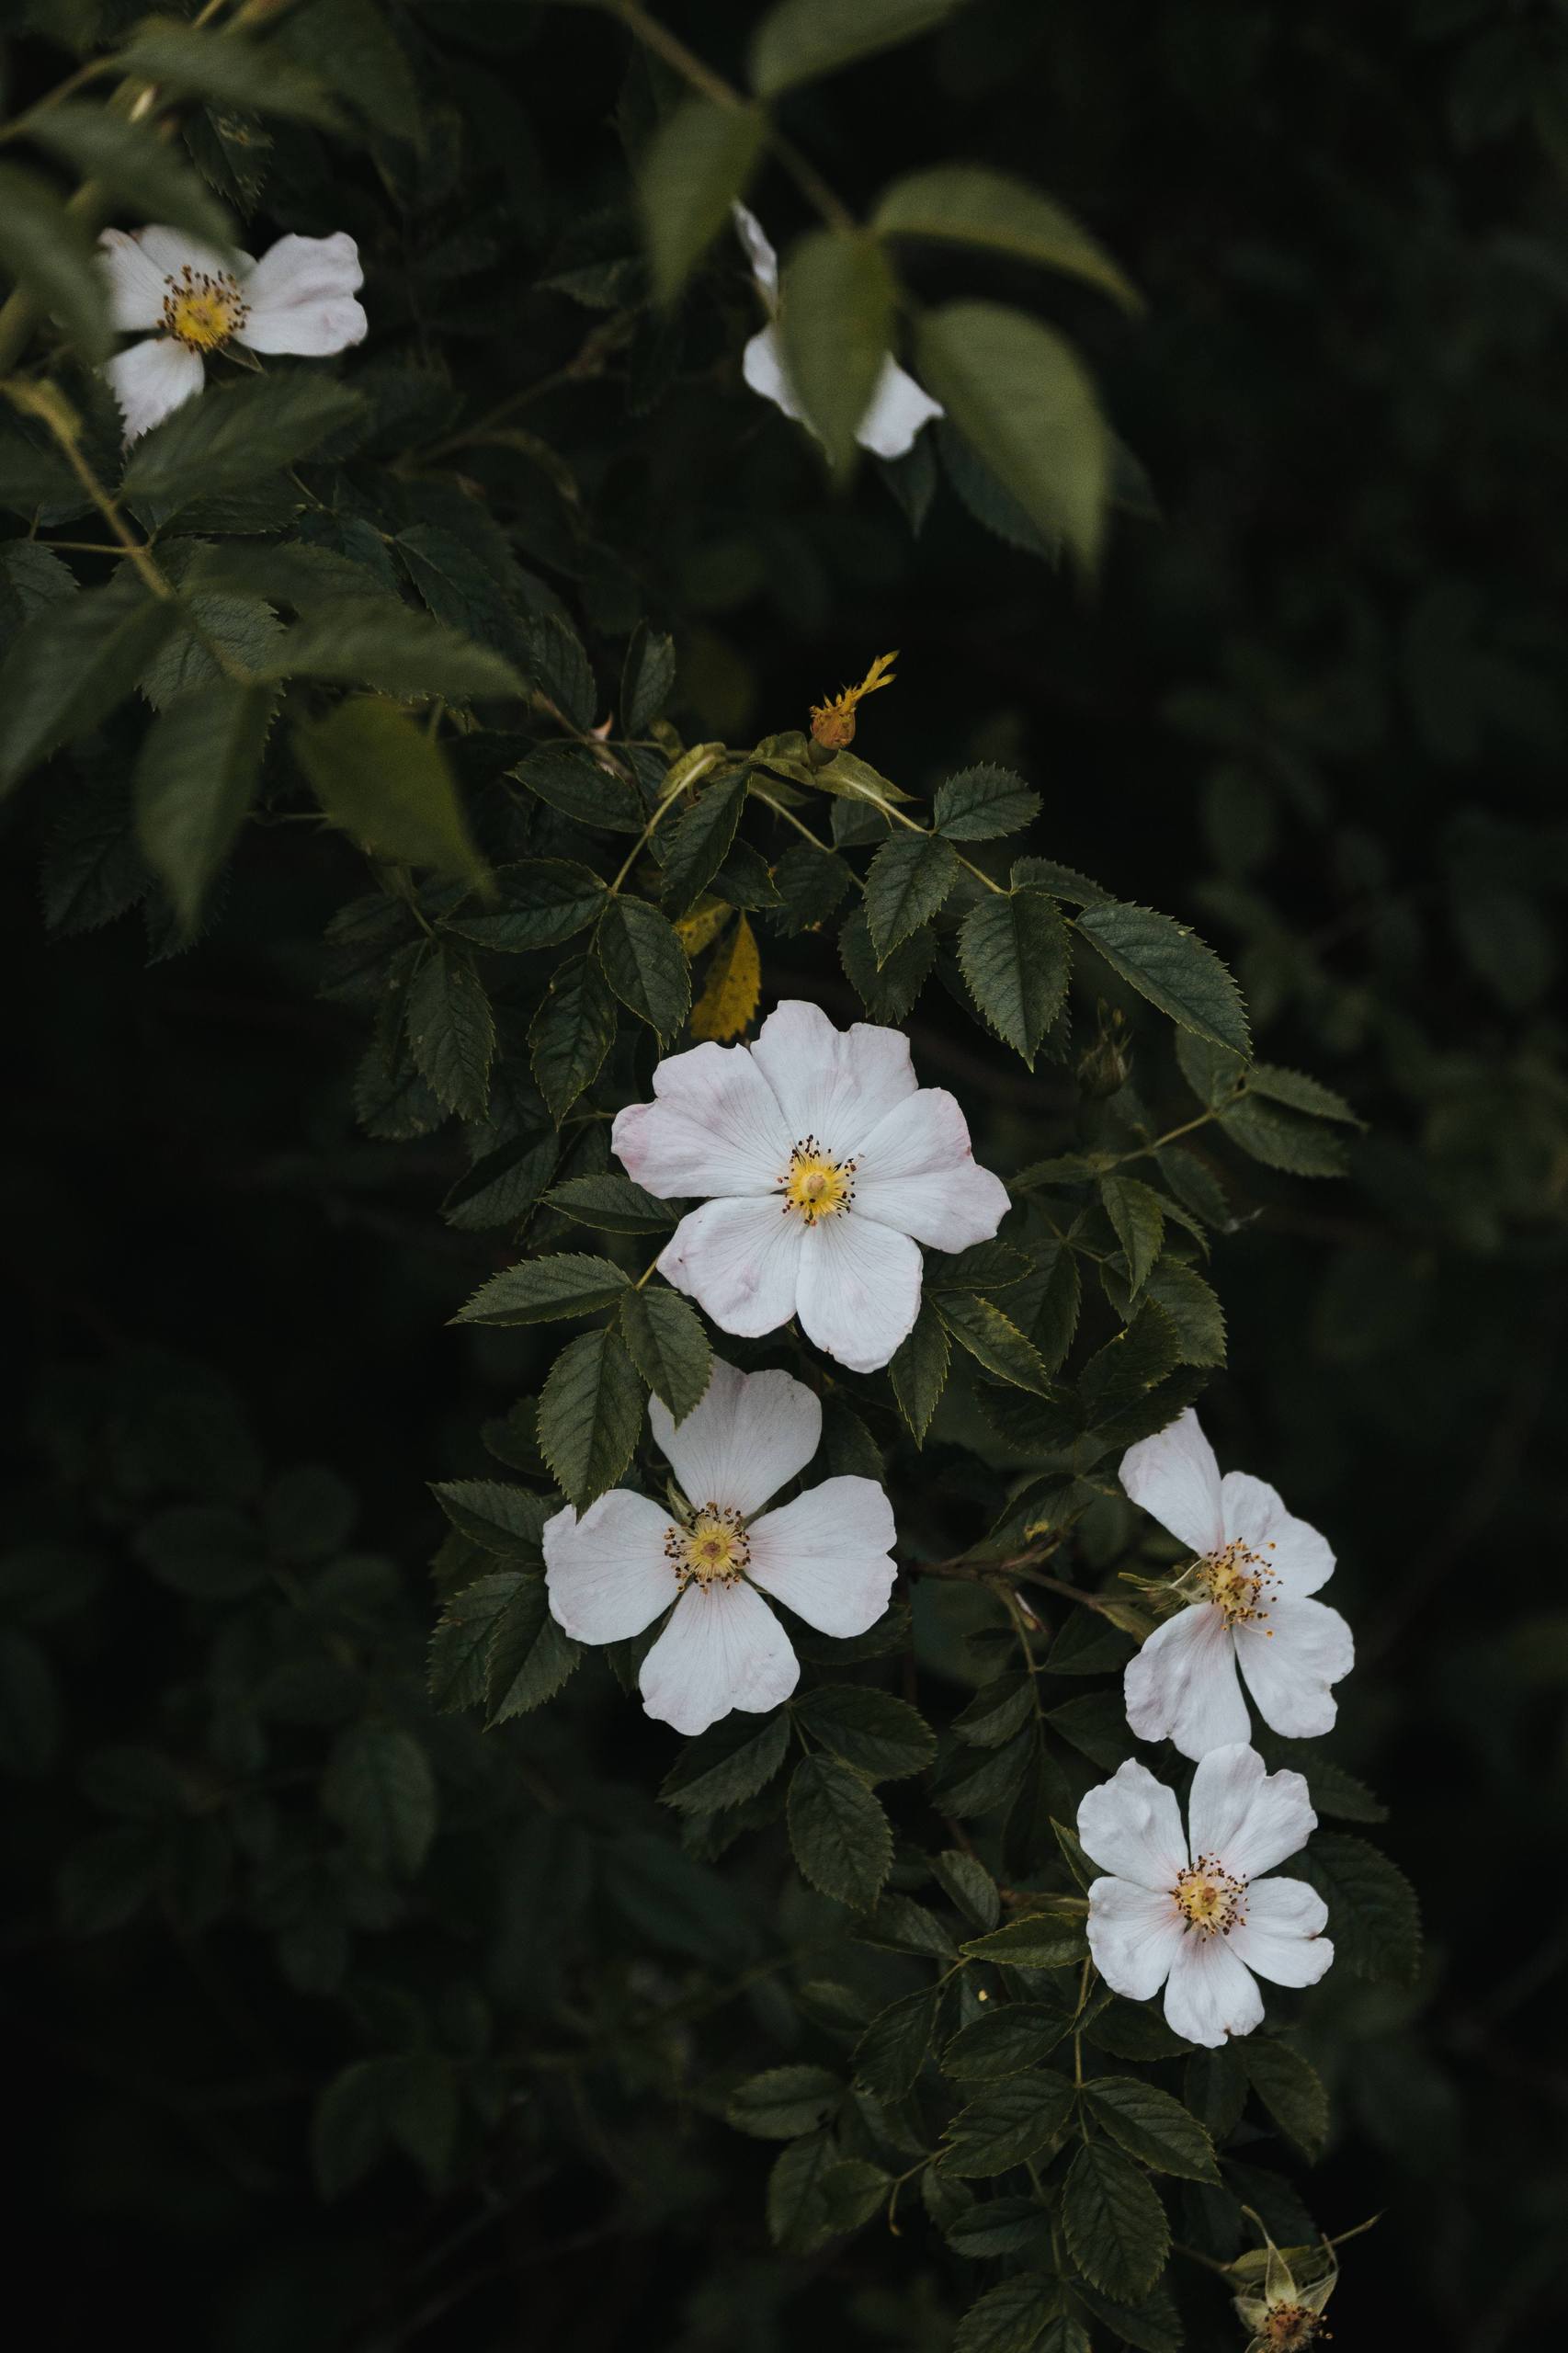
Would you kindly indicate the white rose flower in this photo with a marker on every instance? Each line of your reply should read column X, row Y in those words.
column 298, row 298
column 898, row 408
column 1248, row 1606
column 826, row 1555
column 824, row 1165
column 1194, row 1914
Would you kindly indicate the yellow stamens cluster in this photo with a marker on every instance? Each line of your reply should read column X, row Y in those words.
column 1238, row 1582
column 1209, row 1898
column 202, row 312
column 815, row 1184
column 712, row 1550
column 833, row 724
column 1290, row 2328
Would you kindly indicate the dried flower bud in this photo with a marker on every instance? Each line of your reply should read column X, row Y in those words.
column 833, row 724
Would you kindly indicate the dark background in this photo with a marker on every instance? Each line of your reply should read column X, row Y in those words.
column 1314, row 704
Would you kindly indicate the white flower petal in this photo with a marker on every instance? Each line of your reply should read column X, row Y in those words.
column 171, row 250
column 1182, row 1684
column 899, row 408
column 1246, row 1817
column 714, row 1127
column 1209, row 1993
column 828, row 1556
column 607, row 1574
column 302, row 297
column 759, row 252
column 741, row 1260
column 749, row 1436
column 762, row 365
column 723, row 1648
column 859, row 1289
column 1175, row 1476
column 135, row 282
column 1130, row 1826
column 152, row 380
column 1133, row 1936
column 1255, row 1516
column 918, row 1173
column 834, row 1084
column 1289, row 1662
column 1282, row 1936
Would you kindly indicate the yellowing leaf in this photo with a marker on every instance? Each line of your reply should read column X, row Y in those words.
column 702, row 926
column 735, row 983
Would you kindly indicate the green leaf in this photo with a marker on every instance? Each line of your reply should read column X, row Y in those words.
column 668, row 1345
column 71, row 665
column 919, row 1370
column 530, row 1656
column 1292, row 2090
column 502, row 1187
column 837, row 309
column 380, row 1792
column 232, row 434
column 459, row 1647
column 1133, row 2031
column 783, row 2102
column 965, row 204
column 536, row 1290
column 452, row 1032
column 994, row 2225
column 1004, row 2042
column 1283, row 1139
column 226, row 67
column 567, row 777
column 498, row 1517
column 698, row 164
column 700, row 842
column 799, row 40
column 384, row 780
column 613, row 1204
column 910, row 878
column 1171, row 967
column 998, row 1710
column 370, row 641
column 1018, row 395
column 1192, row 1309
column 887, row 991
column 799, row 2216
column 979, row 803
column 1015, row 957
column 994, row 1340
column 534, row 903
column 195, row 776
column 349, row 45
column 881, row 1737
column 728, row 1763
column 1138, row 1215
column 1116, row 2225
column 646, row 678
column 1152, row 2126
column 891, row 2051
column 571, row 1034
column 1010, row 2122
column 589, row 1415
column 1013, row 2317
column 1038, row 1940
column 1373, row 1917
column 840, row 1837
column 645, row 964
column 49, row 253
column 203, row 1550
column 1062, row 883
column 146, row 175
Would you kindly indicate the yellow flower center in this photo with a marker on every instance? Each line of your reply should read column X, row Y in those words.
column 815, row 1184
column 1238, row 1582
column 1291, row 2327
column 713, row 1550
column 202, row 312
column 1209, row 1900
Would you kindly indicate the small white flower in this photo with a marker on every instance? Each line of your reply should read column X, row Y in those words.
column 826, row 1555
column 824, row 1166
column 898, row 408
column 298, row 298
column 1248, row 1604
column 1193, row 1914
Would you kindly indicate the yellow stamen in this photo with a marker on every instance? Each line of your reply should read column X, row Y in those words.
column 201, row 312
column 833, row 724
column 1238, row 1582
column 815, row 1184
column 1209, row 1900
column 712, row 1550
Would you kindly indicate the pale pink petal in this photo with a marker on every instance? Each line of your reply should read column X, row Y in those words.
column 301, row 295
column 715, row 1127
column 607, row 1574
column 1208, row 1994
column 741, row 1260
column 828, row 1555
column 1133, row 1936
column 1174, row 1476
column 1182, row 1684
column 1282, row 1937
column 151, row 381
column 1130, row 1826
column 750, row 1435
column 723, row 1648
column 1288, row 1661
column 759, row 252
column 1244, row 1816
column 136, row 288
column 762, row 365
column 899, row 408
column 1255, row 1516
column 859, row 1289
column 834, row 1084
column 916, row 1172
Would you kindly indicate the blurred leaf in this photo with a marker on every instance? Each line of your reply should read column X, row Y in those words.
column 386, row 781
column 837, row 304
column 226, row 67
column 799, row 40
column 197, row 773
column 380, row 1792
column 50, row 256
column 232, row 434
column 966, row 204
column 784, row 2101
column 696, row 164
column 70, row 666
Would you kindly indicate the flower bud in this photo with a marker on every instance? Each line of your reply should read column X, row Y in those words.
column 1106, row 1064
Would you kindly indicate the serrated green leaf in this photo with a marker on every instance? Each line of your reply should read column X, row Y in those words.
column 645, row 964
column 887, row 991
column 979, row 804
column 567, row 777
column 571, row 1034
column 729, row 1763
column 883, row 1738
column 1152, row 2126
column 696, row 164
column 459, row 1647
column 668, row 1345
column 998, row 1710
column 1292, row 2090
column 452, row 1032
column 1004, row 2043
column 994, row 1340
column 71, row 665
column 1009, row 2122
column 838, row 1833
column 1138, row 1216
column 1038, row 1940
column 1015, row 957
column 909, row 881
column 782, row 2102
column 1195, row 1313
column 530, row 1656
column 535, row 902
column 799, row 40
column 233, row 435
column 1373, row 1917
column 646, row 678
column 700, row 841
column 994, row 2225
column 1116, row 2225
column 497, row 1517
column 967, row 204
column 536, row 1290
column 837, row 302
column 919, row 1370
column 380, row 1792
column 613, row 1204
column 1283, row 1139
column 891, row 2051
column 384, row 780
column 589, row 1415
column 227, row 68
column 1171, row 967
column 501, row 1188
column 371, row 641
